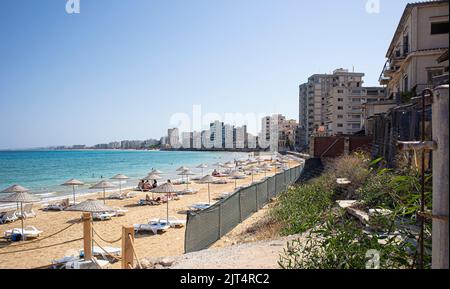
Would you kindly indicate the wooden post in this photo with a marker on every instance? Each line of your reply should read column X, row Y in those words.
column 127, row 247
column 440, row 179
column 87, row 235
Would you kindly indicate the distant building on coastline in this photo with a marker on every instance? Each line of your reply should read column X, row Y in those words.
column 173, row 135
column 420, row 39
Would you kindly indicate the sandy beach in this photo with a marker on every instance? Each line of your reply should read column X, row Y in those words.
column 170, row 243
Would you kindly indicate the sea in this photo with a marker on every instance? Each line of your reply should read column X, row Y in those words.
column 43, row 171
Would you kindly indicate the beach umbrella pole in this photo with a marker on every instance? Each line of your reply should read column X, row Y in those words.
column 209, row 194
column 104, row 196
column 21, row 220
column 73, row 188
column 167, row 208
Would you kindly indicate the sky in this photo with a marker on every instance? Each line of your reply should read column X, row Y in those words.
column 121, row 69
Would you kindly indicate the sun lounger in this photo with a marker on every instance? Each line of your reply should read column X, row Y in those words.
column 9, row 216
column 119, row 212
column 189, row 191
column 149, row 203
column 151, row 227
column 173, row 222
column 199, row 207
column 78, row 263
column 27, row 212
column 103, row 216
column 221, row 182
column 223, row 196
column 60, row 206
column 116, row 196
column 28, row 232
column 130, row 195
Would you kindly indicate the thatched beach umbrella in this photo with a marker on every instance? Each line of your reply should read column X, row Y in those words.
column 157, row 172
column 90, row 206
column 208, row 180
column 103, row 185
column 275, row 165
column 73, row 183
column 187, row 173
column 18, row 195
column 202, row 166
column 236, row 175
column 265, row 167
column 152, row 177
column 167, row 189
column 120, row 178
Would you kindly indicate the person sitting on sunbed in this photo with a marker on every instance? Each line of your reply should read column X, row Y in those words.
column 141, row 185
column 147, row 186
column 155, row 184
column 215, row 173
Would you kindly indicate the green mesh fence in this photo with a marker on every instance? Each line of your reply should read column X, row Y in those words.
column 206, row 227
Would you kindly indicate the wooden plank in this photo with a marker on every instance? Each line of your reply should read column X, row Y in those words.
column 127, row 247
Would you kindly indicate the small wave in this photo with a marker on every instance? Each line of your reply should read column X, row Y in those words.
column 46, row 194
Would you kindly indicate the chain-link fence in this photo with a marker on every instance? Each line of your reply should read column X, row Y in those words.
column 206, row 227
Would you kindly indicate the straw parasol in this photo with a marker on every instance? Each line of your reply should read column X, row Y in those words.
column 90, row 206
column 208, row 179
column 219, row 164
column 73, row 183
column 276, row 164
column 187, row 173
column 202, row 166
column 18, row 195
column 167, row 189
column 265, row 167
column 182, row 168
column 235, row 175
column 253, row 171
column 155, row 171
column 120, row 178
column 103, row 185
column 152, row 177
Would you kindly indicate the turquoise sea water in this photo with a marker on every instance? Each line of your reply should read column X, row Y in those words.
column 43, row 171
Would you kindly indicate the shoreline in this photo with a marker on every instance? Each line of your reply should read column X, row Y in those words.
column 146, row 244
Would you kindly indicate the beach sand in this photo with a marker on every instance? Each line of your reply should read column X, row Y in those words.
column 170, row 243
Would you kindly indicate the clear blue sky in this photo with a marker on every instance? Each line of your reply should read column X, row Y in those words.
column 120, row 69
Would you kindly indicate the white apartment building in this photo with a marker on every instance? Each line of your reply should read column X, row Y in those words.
column 186, row 140
column 251, row 141
column 330, row 104
column 174, row 137
column 216, row 129
column 197, row 140
column 228, row 136
column 239, row 135
column 345, row 111
column 420, row 38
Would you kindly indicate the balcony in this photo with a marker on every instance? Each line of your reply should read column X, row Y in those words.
column 400, row 54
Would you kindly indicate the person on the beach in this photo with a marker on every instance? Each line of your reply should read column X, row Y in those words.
column 215, row 173
column 155, row 184
column 141, row 185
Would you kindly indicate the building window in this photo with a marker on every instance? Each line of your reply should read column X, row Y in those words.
column 340, row 91
column 432, row 73
column 340, row 108
column 405, row 83
column 340, row 99
column 340, row 125
column 340, row 116
column 439, row 28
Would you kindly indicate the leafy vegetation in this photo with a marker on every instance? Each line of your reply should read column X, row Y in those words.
column 336, row 240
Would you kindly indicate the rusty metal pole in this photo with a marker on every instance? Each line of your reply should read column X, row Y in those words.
column 440, row 233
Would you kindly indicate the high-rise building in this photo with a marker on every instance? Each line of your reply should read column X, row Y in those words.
column 216, row 129
column 197, row 140
column 330, row 104
column 228, row 136
column 187, row 140
column 174, row 138
column 239, row 136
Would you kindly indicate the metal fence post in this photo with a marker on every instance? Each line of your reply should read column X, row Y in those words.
column 440, row 232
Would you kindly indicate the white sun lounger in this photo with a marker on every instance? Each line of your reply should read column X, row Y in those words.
column 116, row 196
column 173, row 222
column 28, row 232
column 154, row 228
column 9, row 216
column 103, row 216
column 27, row 212
column 118, row 212
column 188, row 192
column 200, row 206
